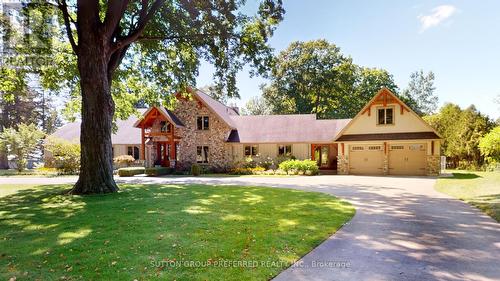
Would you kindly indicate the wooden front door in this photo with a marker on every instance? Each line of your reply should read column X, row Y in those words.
column 162, row 154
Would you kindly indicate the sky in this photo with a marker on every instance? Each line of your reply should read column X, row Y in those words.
column 458, row 40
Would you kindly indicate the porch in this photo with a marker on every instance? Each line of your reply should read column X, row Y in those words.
column 325, row 156
column 159, row 142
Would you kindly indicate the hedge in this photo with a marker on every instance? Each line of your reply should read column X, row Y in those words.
column 131, row 171
column 306, row 167
column 158, row 171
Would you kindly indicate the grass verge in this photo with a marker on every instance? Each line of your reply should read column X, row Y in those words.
column 216, row 232
column 481, row 189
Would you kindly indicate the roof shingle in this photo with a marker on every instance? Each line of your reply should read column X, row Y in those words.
column 294, row 128
column 126, row 133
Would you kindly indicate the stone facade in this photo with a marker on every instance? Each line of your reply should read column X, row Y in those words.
column 342, row 165
column 433, row 165
column 219, row 152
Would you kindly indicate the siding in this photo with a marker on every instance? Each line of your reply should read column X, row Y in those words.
column 299, row 150
column 406, row 122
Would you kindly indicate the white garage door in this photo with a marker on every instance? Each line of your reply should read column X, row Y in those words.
column 407, row 159
column 366, row 159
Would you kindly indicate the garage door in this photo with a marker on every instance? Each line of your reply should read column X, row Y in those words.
column 366, row 159
column 407, row 159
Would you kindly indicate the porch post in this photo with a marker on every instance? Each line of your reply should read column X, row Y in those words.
column 143, row 144
column 172, row 145
column 312, row 151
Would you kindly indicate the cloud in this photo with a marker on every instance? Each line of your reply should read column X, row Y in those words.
column 437, row 16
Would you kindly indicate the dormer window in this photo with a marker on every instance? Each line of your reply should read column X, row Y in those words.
column 385, row 116
column 202, row 123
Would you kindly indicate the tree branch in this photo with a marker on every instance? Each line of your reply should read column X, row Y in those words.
column 162, row 38
column 144, row 17
column 114, row 13
column 63, row 6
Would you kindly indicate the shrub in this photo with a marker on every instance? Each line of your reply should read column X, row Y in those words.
column 65, row 155
column 158, row 171
column 131, row 171
column 306, row 167
column 249, row 162
column 248, row 171
column 124, row 160
column 265, row 163
column 278, row 160
column 195, row 170
column 21, row 142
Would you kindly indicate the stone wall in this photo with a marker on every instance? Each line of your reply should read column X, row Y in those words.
column 433, row 165
column 219, row 152
column 342, row 165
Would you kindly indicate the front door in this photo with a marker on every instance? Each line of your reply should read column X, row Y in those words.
column 161, row 154
column 321, row 154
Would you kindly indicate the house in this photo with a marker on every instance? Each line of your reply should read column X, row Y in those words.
column 126, row 139
column 385, row 138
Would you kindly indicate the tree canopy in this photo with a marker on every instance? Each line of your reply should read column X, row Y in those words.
column 315, row 77
column 462, row 130
column 113, row 50
column 490, row 146
column 420, row 94
column 256, row 106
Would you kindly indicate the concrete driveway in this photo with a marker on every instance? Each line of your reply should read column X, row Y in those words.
column 403, row 230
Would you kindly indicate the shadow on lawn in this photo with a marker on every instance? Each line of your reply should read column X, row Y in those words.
column 50, row 235
column 490, row 204
column 465, row 176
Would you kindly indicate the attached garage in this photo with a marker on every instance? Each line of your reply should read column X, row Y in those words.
column 366, row 159
column 407, row 159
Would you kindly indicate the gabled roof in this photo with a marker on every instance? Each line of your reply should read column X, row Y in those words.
column 383, row 93
column 293, row 128
column 126, row 133
column 223, row 111
column 169, row 115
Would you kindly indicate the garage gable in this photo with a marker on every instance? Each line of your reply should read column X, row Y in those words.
column 384, row 114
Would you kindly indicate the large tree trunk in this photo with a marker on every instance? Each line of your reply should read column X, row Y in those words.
column 96, row 172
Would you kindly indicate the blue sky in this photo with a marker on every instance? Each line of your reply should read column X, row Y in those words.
column 458, row 40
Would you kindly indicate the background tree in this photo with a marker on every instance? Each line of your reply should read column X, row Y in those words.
column 21, row 142
column 172, row 37
column 489, row 145
column 215, row 93
column 256, row 106
column 462, row 131
column 315, row 77
column 420, row 94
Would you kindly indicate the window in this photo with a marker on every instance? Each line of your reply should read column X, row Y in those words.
column 202, row 154
column 251, row 150
column 375, row 147
column 357, row 148
column 416, row 147
column 397, row 147
column 165, row 127
column 284, row 150
column 202, row 122
column 133, row 151
column 385, row 116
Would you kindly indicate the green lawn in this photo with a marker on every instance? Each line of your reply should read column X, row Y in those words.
column 135, row 233
column 29, row 173
column 481, row 189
